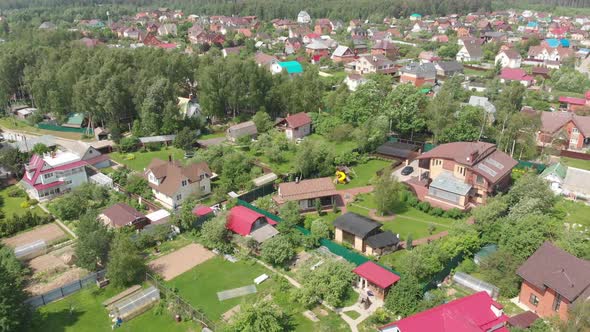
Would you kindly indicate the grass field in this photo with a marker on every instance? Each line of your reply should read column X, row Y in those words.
column 576, row 163
column 575, row 212
column 11, row 205
column 200, row 285
column 23, row 126
column 83, row 312
column 364, row 174
column 408, row 220
column 392, row 259
column 142, row 159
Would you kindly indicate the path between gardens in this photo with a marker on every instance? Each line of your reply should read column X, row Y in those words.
column 57, row 221
column 352, row 323
column 348, row 195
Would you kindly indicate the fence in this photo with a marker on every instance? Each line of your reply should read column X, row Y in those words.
column 349, row 255
column 539, row 168
column 151, row 205
column 263, row 190
column 575, row 155
column 423, row 145
column 183, row 308
column 61, row 292
column 48, row 126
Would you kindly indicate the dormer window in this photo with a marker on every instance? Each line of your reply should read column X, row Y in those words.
column 184, row 183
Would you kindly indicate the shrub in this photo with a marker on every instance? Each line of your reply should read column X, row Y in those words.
column 129, row 144
column 129, row 156
column 454, row 213
column 15, row 192
column 25, row 205
column 33, row 202
column 17, row 223
column 424, row 206
column 413, row 201
column 467, row 265
column 154, row 146
column 437, row 212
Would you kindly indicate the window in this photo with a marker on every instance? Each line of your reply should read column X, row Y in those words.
column 178, row 197
column 557, row 303
column 437, row 162
column 575, row 130
column 460, row 170
column 533, row 299
column 203, row 188
column 479, row 179
column 184, row 183
column 47, row 176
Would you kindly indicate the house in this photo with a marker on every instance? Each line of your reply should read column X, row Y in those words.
column 553, row 281
column 25, row 113
column 575, row 104
column 508, row 59
column 52, row 174
column 567, row 181
column 168, row 29
column 195, row 33
column 47, row 26
column 473, row 313
column 89, row 154
column 121, row 215
column 172, row 182
column 519, row 75
column 471, row 52
column 564, row 128
column 246, row 222
column 428, row 56
column 296, row 126
column 545, row 52
column 131, row 33
column 342, row 53
column 307, row 192
column 265, row 60
column 375, row 278
column 418, row 74
column 292, row 45
column 239, row 130
column 483, row 102
column 289, row 67
column 317, row 48
column 227, row 51
column 353, row 81
column 415, row 17
column 89, row 42
column 303, row 17
column 323, row 26
column 385, row 48
column 370, row 64
column 462, row 174
column 448, row 68
column 364, row 234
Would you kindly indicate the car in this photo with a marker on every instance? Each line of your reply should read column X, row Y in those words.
column 407, row 170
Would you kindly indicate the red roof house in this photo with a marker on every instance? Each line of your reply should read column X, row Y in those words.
column 296, row 125
column 516, row 74
column 202, row 210
column 575, row 104
column 473, row 313
column 375, row 278
column 244, row 221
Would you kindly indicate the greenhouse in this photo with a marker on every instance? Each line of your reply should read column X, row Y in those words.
column 135, row 304
column 31, row 250
column 475, row 284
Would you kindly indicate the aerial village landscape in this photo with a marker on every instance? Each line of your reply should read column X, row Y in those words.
column 260, row 165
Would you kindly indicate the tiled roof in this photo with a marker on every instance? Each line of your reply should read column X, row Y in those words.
column 306, row 189
column 298, row 120
column 170, row 174
column 122, row 214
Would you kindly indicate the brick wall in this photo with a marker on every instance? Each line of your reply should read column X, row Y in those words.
column 546, row 299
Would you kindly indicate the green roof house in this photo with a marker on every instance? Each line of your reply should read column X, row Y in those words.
column 75, row 120
column 415, row 17
column 292, row 67
column 555, row 175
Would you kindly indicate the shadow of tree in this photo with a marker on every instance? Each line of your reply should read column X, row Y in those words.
column 55, row 321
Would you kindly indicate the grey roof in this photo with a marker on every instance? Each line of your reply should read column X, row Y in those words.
column 482, row 102
column 356, row 224
column 396, row 149
column 450, row 66
column 447, row 182
column 577, row 181
column 264, row 233
column 154, row 139
column 419, row 69
column 28, row 144
column 381, row 240
column 474, row 50
column 242, row 129
column 340, row 50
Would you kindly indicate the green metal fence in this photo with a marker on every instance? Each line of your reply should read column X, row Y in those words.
column 539, row 168
column 347, row 254
column 47, row 126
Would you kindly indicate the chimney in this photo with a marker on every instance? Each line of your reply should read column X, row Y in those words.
column 297, row 180
column 473, row 156
column 169, row 158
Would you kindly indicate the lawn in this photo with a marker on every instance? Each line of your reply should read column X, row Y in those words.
column 336, row 147
column 364, row 174
column 11, row 205
column 575, row 212
column 141, row 160
column 576, row 163
column 473, row 72
column 23, row 126
column 83, row 312
column 408, row 220
column 200, row 285
column 392, row 259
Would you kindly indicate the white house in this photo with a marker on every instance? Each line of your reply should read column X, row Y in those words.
column 303, row 17
column 470, row 52
column 353, row 81
column 172, row 182
column 296, row 125
column 509, row 59
column 53, row 173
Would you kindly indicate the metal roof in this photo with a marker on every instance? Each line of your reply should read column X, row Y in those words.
column 447, row 182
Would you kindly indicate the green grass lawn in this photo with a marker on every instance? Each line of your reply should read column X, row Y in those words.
column 393, row 258
column 575, row 212
column 88, row 315
column 11, row 205
column 200, row 285
column 141, row 160
column 473, row 72
column 408, row 220
column 212, row 135
column 336, row 147
column 364, row 174
column 352, row 314
column 576, row 163
column 284, row 167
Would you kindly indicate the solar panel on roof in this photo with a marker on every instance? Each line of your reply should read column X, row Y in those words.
column 486, row 169
column 495, row 163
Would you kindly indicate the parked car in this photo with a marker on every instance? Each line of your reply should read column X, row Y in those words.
column 407, row 170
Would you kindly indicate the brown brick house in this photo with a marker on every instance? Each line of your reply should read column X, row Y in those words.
column 570, row 129
column 553, row 280
column 463, row 174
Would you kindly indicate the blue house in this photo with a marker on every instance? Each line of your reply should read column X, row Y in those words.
column 555, row 43
column 292, row 67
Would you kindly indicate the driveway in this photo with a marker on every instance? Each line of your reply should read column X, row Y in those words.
column 402, row 178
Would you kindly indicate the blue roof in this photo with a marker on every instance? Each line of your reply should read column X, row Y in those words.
column 565, row 42
column 292, row 67
column 532, row 24
column 554, row 43
column 416, row 15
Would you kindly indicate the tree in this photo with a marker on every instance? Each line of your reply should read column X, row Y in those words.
column 262, row 316
column 578, row 317
column 364, row 103
column 404, row 299
column 289, row 212
column 94, row 241
column 467, row 126
column 440, row 113
column 499, row 268
column 12, row 160
column 321, row 228
column 40, row 149
column 329, row 282
column 387, row 193
column 185, row 139
column 277, row 250
column 215, row 235
column 576, row 241
column 405, row 107
column 14, row 313
column 12, row 265
column 126, row 265
column 128, row 144
column 525, row 235
column 263, row 121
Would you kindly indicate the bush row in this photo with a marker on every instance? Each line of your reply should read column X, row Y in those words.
column 425, row 207
column 16, row 223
